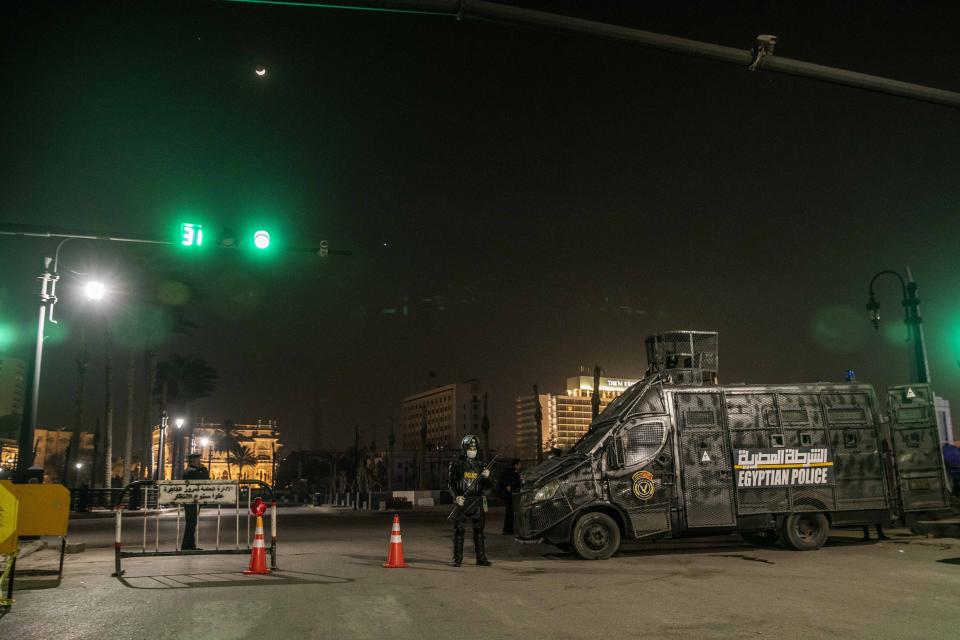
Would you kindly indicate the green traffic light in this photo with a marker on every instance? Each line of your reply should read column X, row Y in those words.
column 261, row 239
column 191, row 234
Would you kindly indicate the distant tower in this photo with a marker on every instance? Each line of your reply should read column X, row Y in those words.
column 595, row 396
column 485, row 427
column 538, row 418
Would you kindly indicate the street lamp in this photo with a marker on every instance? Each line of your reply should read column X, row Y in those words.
column 158, row 473
column 48, row 299
column 920, row 370
column 95, row 290
column 205, row 442
column 79, row 466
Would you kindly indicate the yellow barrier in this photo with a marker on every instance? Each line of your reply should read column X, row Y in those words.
column 8, row 519
column 44, row 508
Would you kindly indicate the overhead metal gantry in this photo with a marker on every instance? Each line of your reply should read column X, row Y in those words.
column 761, row 57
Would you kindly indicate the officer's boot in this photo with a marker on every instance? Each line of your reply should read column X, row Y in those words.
column 478, row 547
column 457, row 548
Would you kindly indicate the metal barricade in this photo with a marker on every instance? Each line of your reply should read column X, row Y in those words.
column 169, row 494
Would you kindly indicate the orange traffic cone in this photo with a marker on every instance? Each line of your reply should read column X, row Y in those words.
column 395, row 556
column 258, row 554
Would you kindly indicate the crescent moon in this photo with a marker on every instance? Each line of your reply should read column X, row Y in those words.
column 261, row 71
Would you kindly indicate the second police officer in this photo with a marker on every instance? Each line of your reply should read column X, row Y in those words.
column 467, row 482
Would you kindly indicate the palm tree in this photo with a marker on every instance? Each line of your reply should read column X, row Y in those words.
column 183, row 380
column 127, row 473
column 227, row 442
column 106, row 462
column 83, row 363
column 241, row 456
column 155, row 322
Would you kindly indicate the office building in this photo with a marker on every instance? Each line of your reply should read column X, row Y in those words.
column 566, row 417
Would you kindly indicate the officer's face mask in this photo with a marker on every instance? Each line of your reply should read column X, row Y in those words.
column 471, row 453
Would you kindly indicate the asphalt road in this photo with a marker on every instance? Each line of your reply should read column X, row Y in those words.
column 331, row 585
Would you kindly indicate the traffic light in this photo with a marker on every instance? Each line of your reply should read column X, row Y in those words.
column 261, row 239
column 191, row 234
column 258, row 238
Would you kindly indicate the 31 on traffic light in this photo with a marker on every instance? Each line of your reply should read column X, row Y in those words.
column 191, row 234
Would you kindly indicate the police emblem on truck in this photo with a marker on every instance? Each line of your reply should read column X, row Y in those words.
column 787, row 467
column 643, row 487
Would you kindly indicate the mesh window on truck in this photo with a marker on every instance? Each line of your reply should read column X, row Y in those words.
column 641, row 442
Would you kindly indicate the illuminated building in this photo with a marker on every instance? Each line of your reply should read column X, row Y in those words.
column 50, row 454
column 219, row 447
column 12, row 383
column 448, row 413
column 566, row 417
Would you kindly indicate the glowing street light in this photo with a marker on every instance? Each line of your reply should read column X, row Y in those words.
column 179, row 423
column 48, row 299
column 204, row 441
column 95, row 290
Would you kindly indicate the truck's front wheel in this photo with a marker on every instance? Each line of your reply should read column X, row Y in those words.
column 595, row 536
column 805, row 531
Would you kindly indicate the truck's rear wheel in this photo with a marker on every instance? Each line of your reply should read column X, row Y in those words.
column 805, row 531
column 595, row 536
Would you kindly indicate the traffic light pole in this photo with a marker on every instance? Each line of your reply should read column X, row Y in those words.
column 28, row 425
column 35, row 231
column 760, row 58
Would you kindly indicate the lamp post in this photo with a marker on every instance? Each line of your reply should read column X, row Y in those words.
column 79, row 466
column 48, row 299
column 176, row 470
column 158, row 473
column 919, row 370
column 205, row 442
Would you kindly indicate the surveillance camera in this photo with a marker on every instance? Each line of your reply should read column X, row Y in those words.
column 767, row 41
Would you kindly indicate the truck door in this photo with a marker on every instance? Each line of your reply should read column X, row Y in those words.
column 705, row 464
column 916, row 448
column 640, row 474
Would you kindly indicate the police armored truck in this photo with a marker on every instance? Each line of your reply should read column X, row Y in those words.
column 678, row 454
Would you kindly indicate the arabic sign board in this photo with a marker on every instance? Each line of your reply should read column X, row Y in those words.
column 197, row 491
column 783, row 467
column 8, row 520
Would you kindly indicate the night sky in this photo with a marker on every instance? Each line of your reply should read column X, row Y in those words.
column 518, row 202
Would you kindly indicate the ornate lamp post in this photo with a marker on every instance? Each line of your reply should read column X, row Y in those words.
column 920, row 370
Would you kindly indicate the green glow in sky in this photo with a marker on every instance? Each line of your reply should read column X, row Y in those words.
column 8, row 335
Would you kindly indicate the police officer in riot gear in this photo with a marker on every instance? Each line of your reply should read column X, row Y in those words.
column 467, row 481
column 195, row 471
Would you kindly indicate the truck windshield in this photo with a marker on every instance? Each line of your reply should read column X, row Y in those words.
column 608, row 419
column 590, row 439
column 624, row 401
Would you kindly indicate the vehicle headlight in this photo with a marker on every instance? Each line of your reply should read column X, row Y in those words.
column 546, row 491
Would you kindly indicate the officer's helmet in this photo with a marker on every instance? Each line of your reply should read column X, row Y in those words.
column 469, row 442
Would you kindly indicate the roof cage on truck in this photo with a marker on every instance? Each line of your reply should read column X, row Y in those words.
column 688, row 357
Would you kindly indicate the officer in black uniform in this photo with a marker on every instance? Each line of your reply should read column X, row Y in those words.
column 464, row 471
column 195, row 471
column 510, row 481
